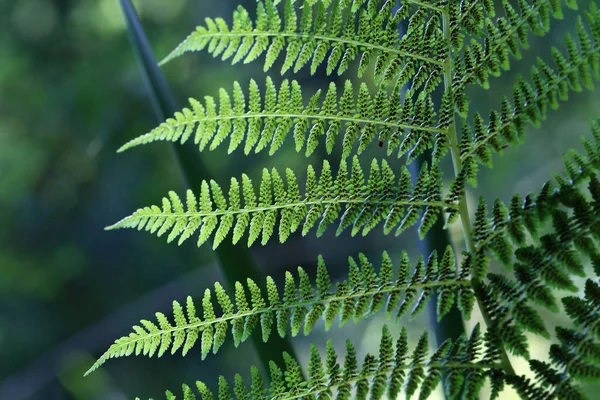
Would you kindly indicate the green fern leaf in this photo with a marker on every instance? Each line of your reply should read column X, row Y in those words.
column 370, row 380
column 301, row 307
column 267, row 125
column 361, row 206
column 348, row 32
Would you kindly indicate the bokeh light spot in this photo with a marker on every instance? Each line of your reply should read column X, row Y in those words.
column 34, row 19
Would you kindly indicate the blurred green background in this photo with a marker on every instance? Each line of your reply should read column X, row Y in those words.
column 71, row 93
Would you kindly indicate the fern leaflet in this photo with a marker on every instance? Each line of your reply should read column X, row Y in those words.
column 382, row 199
column 364, row 293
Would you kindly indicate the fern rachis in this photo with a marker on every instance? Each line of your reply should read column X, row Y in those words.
column 544, row 239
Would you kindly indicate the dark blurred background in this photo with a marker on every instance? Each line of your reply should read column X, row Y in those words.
column 71, row 93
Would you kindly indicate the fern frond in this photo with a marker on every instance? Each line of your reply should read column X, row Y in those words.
column 395, row 371
column 363, row 294
column 545, row 240
column 332, row 30
column 574, row 71
column 576, row 358
column 382, row 199
column 502, row 36
column 549, row 264
column 265, row 123
column 577, row 353
column 508, row 224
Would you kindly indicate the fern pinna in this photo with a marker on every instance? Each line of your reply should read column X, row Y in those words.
column 546, row 240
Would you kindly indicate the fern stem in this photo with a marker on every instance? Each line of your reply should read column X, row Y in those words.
column 345, row 119
column 249, row 210
column 250, row 115
column 463, row 207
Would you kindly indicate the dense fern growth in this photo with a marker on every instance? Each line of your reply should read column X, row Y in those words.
column 548, row 241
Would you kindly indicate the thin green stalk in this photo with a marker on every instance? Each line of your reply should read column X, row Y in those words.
column 235, row 260
column 463, row 207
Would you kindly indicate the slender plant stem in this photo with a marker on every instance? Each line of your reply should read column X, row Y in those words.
column 463, row 207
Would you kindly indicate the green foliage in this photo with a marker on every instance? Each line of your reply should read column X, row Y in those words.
column 545, row 263
column 364, row 293
column 325, row 29
column 267, row 125
column 395, row 370
column 545, row 240
column 382, row 199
